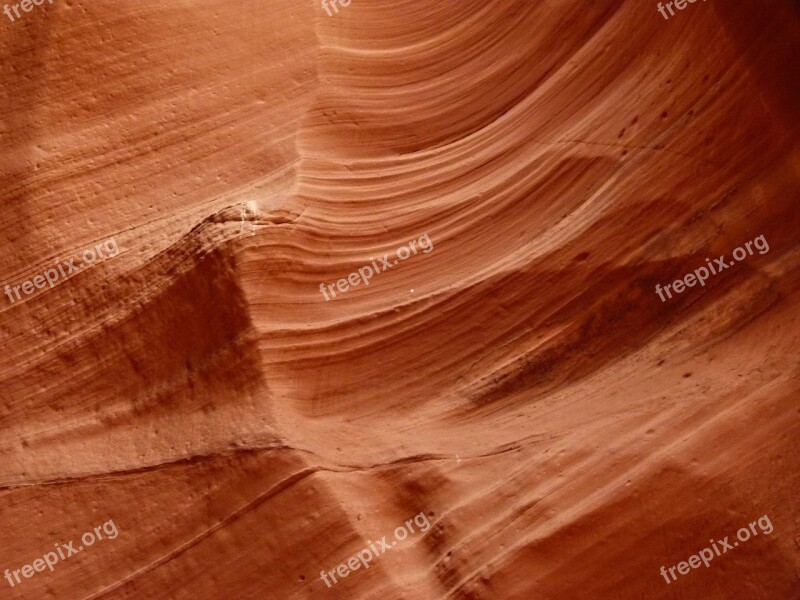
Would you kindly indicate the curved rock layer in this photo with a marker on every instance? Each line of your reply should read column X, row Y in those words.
column 245, row 423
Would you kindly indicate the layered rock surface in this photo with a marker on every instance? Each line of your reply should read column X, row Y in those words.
column 565, row 431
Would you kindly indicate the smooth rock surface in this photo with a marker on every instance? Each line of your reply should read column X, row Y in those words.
column 565, row 431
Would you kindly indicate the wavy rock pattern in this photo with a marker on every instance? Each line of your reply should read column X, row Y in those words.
column 565, row 431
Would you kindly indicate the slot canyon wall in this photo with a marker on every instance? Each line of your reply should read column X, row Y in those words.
column 401, row 300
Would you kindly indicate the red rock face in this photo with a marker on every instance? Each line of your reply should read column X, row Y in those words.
column 250, row 409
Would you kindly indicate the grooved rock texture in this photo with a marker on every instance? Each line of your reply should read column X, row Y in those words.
column 245, row 423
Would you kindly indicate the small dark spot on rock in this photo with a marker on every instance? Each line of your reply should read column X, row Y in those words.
column 687, row 375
